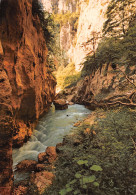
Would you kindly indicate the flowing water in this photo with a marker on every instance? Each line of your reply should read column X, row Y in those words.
column 50, row 130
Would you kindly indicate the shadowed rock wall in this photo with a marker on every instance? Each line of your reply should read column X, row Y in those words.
column 27, row 87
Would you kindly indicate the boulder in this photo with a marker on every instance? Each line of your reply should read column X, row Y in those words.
column 41, row 180
column 27, row 165
column 51, row 154
column 40, row 167
column 60, row 104
column 42, row 157
column 70, row 103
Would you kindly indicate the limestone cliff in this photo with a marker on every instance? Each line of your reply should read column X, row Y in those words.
column 26, row 84
column 85, row 39
column 89, row 31
column 47, row 5
column 67, row 35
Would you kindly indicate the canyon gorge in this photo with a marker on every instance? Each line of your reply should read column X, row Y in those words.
column 85, row 50
column 77, row 41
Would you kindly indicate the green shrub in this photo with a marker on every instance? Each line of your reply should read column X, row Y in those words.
column 46, row 20
column 71, row 80
column 119, row 38
column 67, row 76
column 100, row 164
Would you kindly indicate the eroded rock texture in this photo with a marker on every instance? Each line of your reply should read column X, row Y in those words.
column 103, row 85
column 6, row 127
column 27, row 87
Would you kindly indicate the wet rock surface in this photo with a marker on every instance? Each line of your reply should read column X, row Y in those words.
column 51, row 154
column 42, row 157
column 41, row 175
column 27, row 165
column 60, row 104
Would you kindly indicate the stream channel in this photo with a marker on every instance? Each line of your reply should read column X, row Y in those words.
column 50, row 130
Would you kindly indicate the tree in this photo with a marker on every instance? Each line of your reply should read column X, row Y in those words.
column 50, row 31
column 46, row 20
column 120, row 14
column 129, row 43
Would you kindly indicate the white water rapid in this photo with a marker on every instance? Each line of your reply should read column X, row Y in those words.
column 50, row 130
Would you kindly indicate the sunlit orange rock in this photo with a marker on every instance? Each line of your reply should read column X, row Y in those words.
column 51, row 153
column 42, row 157
column 60, row 104
column 42, row 180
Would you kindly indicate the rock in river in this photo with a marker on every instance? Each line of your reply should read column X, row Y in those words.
column 27, row 165
column 60, row 104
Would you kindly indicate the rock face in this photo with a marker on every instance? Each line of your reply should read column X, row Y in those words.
column 6, row 128
column 24, row 63
column 27, row 87
column 78, row 44
column 66, row 37
column 91, row 20
column 6, row 174
column 103, row 86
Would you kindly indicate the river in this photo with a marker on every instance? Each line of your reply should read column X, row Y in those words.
column 50, row 130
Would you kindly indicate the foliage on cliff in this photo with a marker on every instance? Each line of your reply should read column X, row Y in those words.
column 51, row 33
column 119, row 38
column 68, row 17
column 67, row 76
column 100, row 159
column 120, row 15
column 45, row 19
